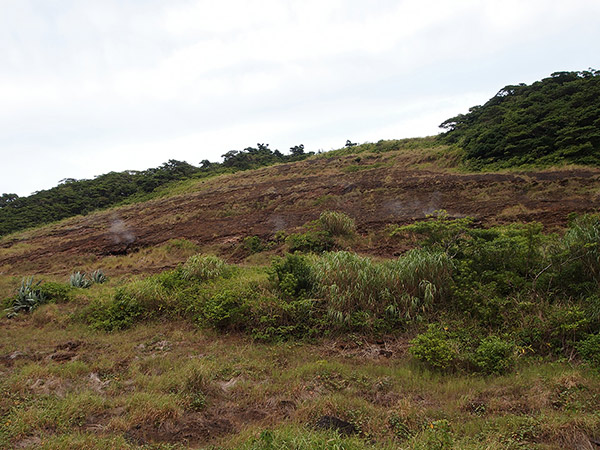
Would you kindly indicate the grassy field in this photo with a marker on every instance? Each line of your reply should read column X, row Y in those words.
column 169, row 385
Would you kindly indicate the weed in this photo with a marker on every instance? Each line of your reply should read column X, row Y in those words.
column 204, row 267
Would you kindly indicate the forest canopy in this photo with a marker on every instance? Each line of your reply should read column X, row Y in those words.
column 552, row 121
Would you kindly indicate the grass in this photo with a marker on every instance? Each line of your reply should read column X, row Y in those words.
column 157, row 377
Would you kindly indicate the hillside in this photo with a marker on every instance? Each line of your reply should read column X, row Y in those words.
column 380, row 296
column 377, row 188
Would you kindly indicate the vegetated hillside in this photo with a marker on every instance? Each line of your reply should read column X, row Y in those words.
column 376, row 184
column 552, row 121
column 73, row 197
column 375, row 297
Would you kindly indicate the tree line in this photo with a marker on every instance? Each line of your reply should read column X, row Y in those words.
column 73, row 197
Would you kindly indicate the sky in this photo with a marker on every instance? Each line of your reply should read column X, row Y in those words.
column 93, row 86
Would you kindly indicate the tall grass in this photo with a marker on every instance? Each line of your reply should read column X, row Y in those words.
column 351, row 283
column 582, row 241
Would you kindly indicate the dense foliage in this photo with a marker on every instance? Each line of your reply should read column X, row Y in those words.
column 555, row 120
column 73, row 197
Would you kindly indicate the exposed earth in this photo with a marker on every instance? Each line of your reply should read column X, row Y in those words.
column 376, row 190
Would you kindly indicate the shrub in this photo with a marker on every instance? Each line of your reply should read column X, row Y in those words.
column 589, row 349
column 434, row 348
column 226, row 310
column 253, row 244
column 337, row 223
column 311, row 241
column 29, row 296
column 202, row 268
column 437, row 436
column 119, row 313
column 292, row 275
column 56, row 292
column 80, row 280
column 494, row 356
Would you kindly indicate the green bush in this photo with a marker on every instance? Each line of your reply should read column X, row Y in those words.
column 311, row 241
column 589, row 349
column 435, row 348
column 272, row 319
column 253, row 244
column 337, row 223
column 119, row 313
column 494, row 356
column 226, row 310
column 202, row 268
column 56, row 292
column 292, row 275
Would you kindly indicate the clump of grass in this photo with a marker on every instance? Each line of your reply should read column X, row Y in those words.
column 204, row 267
column 337, row 223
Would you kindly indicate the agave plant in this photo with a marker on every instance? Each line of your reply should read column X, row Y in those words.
column 97, row 276
column 28, row 298
column 80, row 280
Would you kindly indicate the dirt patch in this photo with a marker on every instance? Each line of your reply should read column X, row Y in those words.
column 195, row 428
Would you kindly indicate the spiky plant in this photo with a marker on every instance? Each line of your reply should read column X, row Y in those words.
column 28, row 298
column 98, row 276
column 80, row 280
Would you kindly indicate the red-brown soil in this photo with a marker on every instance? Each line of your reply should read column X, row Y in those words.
column 223, row 210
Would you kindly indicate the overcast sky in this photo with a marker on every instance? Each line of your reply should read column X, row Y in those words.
column 92, row 86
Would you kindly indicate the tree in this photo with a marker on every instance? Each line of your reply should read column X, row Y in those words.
column 6, row 199
column 297, row 150
column 349, row 143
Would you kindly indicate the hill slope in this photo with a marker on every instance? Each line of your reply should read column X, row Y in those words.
column 375, row 188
